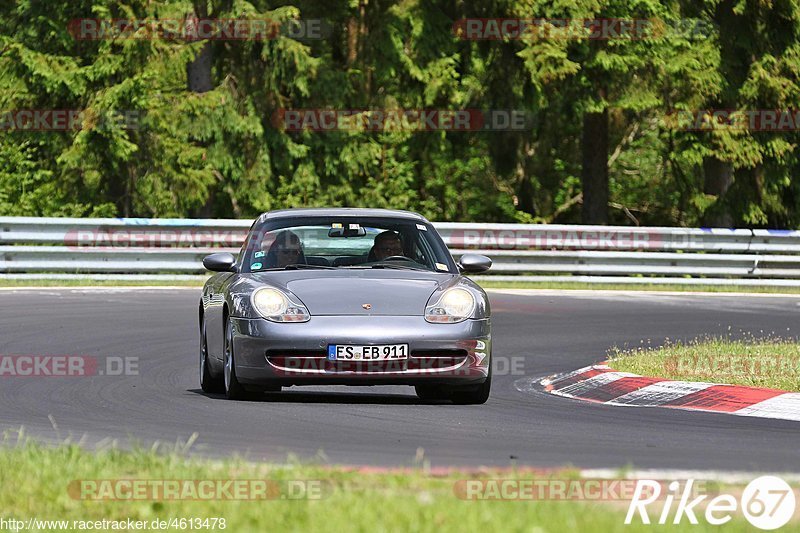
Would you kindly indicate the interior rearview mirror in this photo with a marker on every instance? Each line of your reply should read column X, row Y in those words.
column 347, row 230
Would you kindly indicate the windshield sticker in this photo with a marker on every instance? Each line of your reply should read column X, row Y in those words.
column 422, row 227
column 354, row 226
column 336, row 225
column 440, row 266
column 255, row 265
column 258, row 254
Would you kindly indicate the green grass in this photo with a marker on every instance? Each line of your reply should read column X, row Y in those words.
column 486, row 284
column 563, row 285
column 97, row 283
column 771, row 362
column 35, row 479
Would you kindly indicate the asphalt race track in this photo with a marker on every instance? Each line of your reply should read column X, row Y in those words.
column 534, row 335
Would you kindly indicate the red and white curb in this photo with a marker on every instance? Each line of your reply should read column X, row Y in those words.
column 602, row 384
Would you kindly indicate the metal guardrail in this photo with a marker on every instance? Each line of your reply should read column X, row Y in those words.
column 166, row 248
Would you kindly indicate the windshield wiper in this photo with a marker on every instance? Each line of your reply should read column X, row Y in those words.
column 299, row 266
column 398, row 266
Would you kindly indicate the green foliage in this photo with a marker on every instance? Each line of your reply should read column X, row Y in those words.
column 218, row 153
column 72, row 484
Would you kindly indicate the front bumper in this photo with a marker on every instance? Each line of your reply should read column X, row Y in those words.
column 268, row 353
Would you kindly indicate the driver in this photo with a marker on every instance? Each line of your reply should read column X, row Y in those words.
column 387, row 244
column 285, row 250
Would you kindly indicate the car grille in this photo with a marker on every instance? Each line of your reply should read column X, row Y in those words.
column 435, row 359
column 316, row 360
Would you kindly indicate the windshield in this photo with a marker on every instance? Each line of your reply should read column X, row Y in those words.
column 345, row 242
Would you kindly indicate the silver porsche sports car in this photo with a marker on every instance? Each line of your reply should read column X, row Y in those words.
column 348, row 297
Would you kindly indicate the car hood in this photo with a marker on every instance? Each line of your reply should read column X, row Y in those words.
column 360, row 292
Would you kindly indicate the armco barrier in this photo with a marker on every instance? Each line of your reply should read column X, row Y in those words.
column 166, row 248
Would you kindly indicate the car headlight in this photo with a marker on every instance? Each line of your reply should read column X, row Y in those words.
column 277, row 306
column 453, row 305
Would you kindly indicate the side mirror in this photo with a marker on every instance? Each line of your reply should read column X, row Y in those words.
column 474, row 263
column 221, row 262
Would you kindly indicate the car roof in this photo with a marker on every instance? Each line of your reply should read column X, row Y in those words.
column 340, row 212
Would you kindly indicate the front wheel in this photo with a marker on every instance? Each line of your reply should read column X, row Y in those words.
column 430, row 393
column 474, row 396
column 233, row 389
column 208, row 382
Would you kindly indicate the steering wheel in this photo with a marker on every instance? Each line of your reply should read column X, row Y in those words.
column 397, row 258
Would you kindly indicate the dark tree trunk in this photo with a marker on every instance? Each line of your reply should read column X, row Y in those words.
column 199, row 80
column 718, row 178
column 198, row 71
column 594, row 173
column 525, row 196
column 118, row 192
column 525, row 189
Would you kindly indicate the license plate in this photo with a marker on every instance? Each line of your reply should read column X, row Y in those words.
column 354, row 352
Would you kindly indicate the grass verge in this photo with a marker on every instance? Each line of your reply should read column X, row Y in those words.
column 36, row 481
column 562, row 285
column 97, row 283
column 566, row 286
column 772, row 363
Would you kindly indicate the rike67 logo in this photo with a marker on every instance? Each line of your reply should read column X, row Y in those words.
column 768, row 502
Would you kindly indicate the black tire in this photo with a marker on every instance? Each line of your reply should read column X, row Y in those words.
column 475, row 396
column 430, row 393
column 233, row 389
column 208, row 382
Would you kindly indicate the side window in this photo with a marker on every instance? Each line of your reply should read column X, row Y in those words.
column 414, row 246
column 248, row 244
column 427, row 255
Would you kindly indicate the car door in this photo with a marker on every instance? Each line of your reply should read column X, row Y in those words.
column 213, row 304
